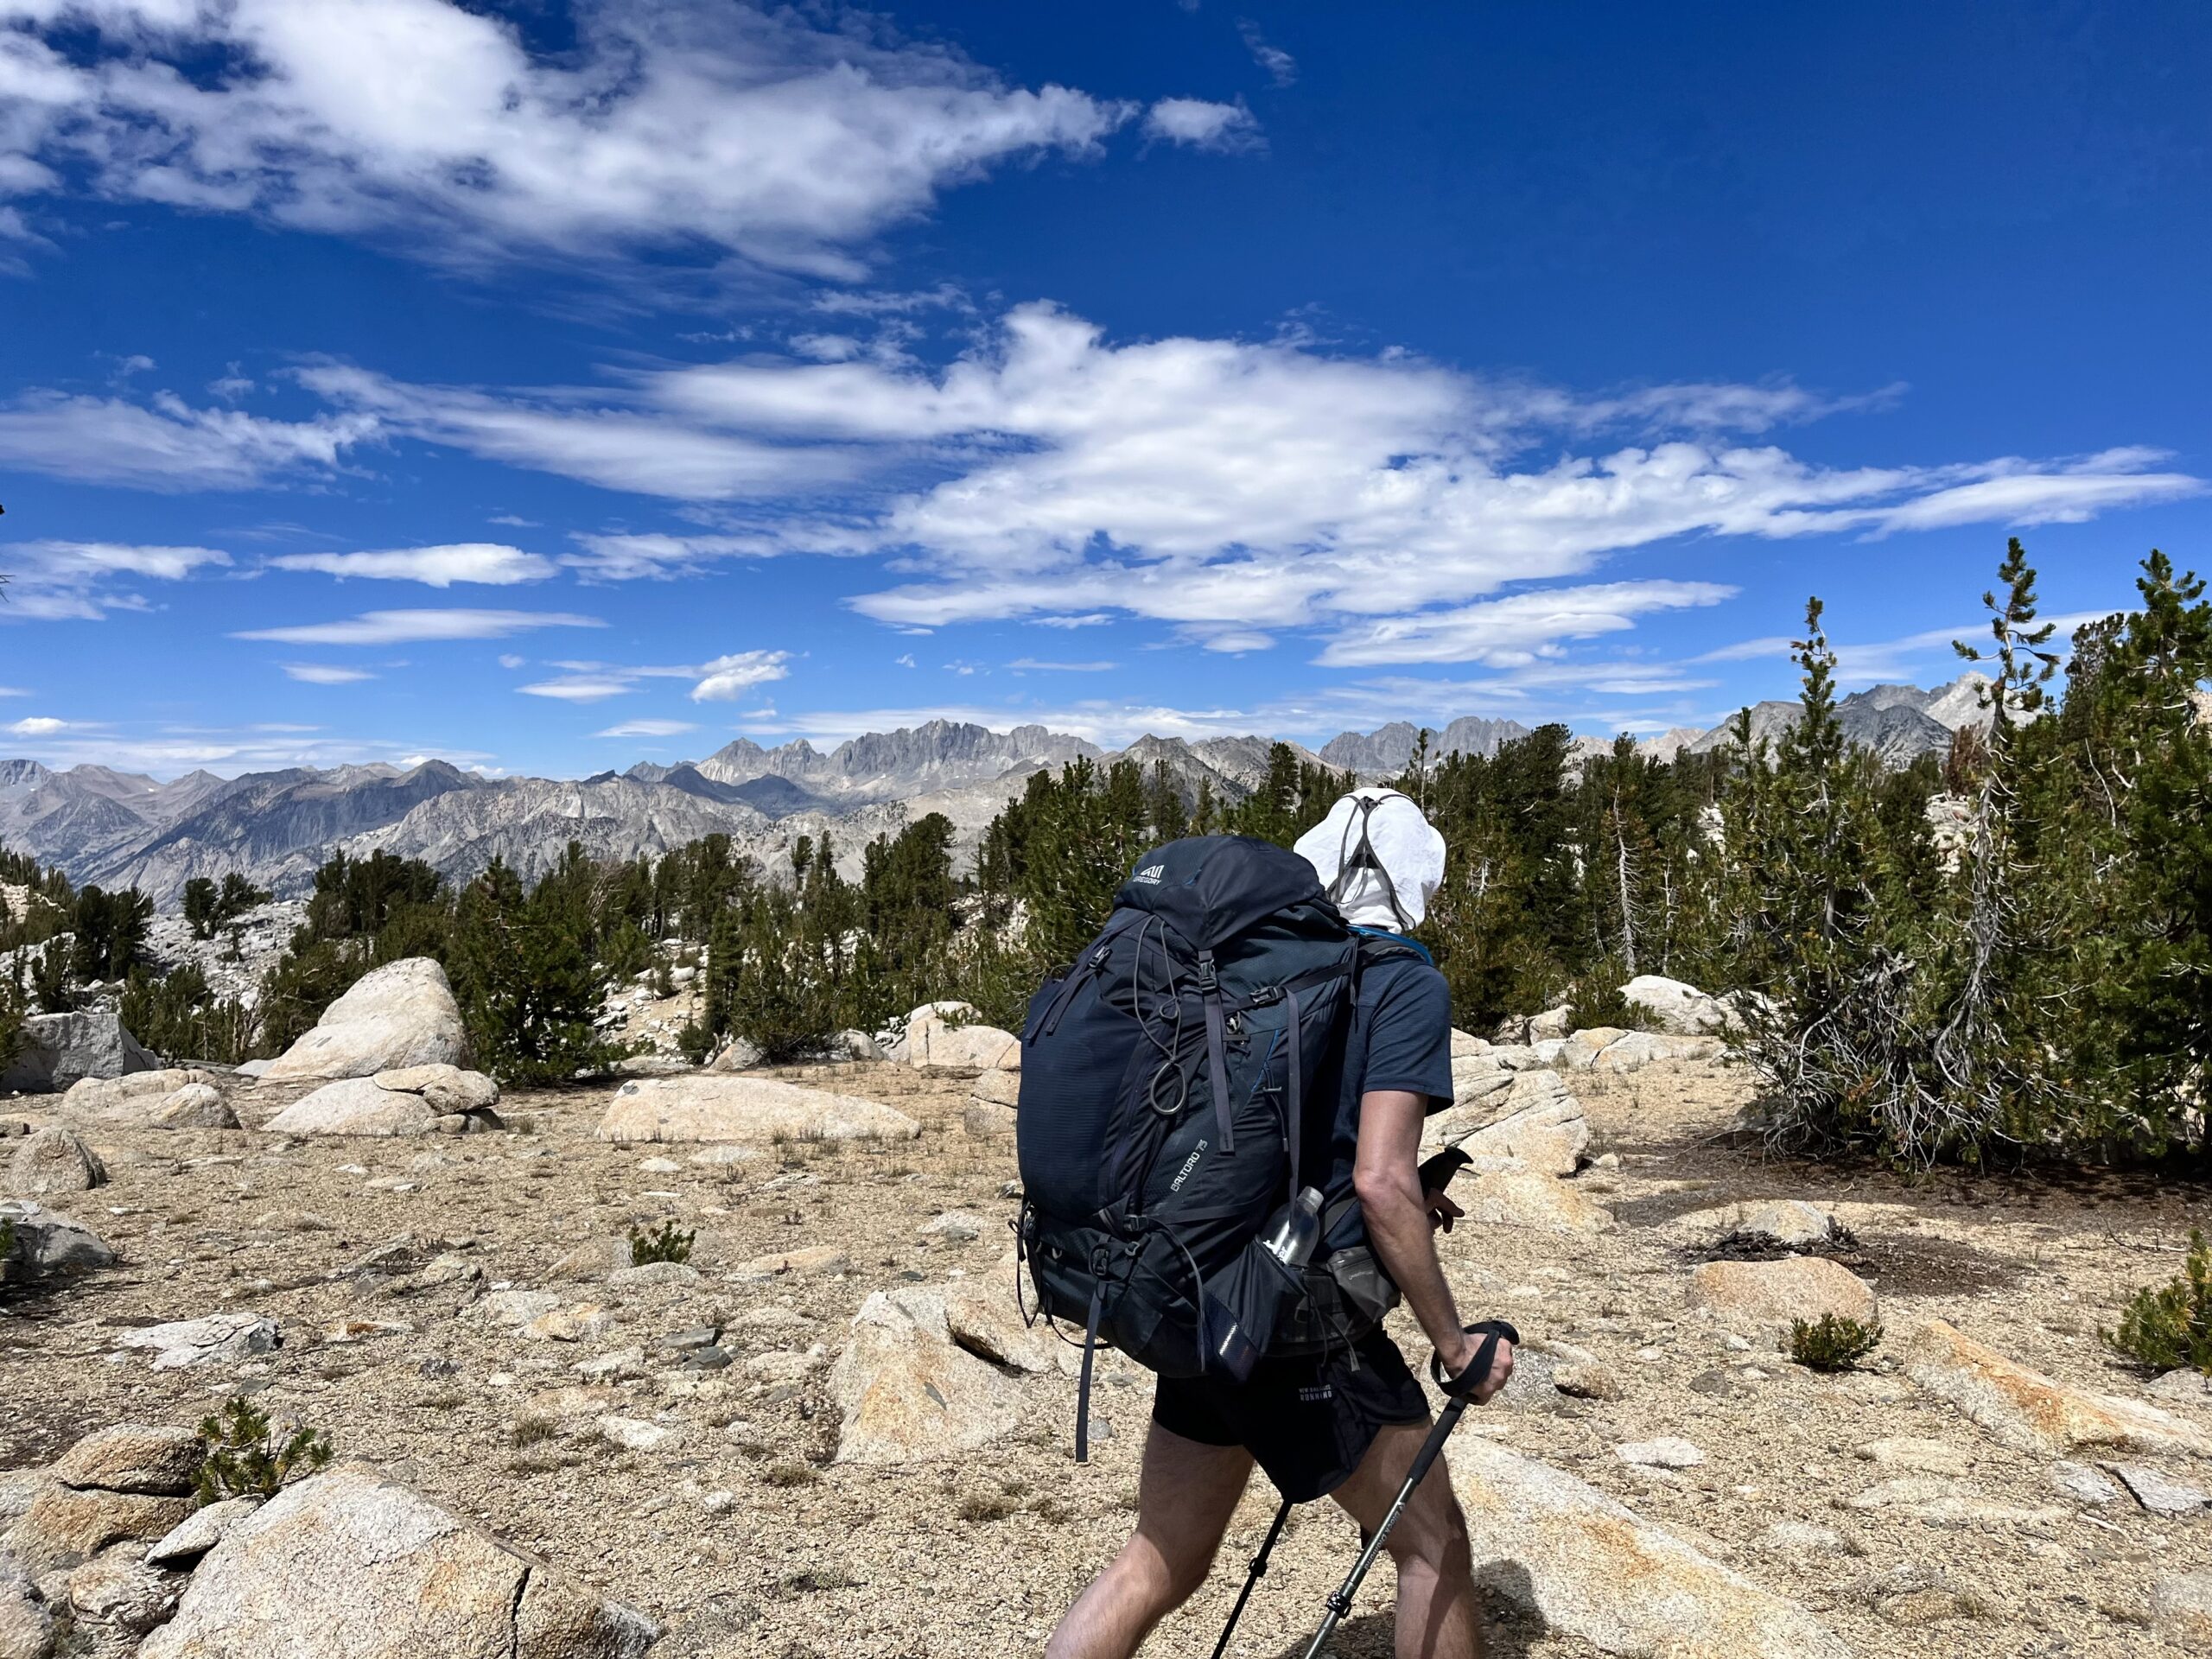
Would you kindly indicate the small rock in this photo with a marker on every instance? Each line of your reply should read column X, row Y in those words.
column 1770, row 1294
column 53, row 1161
column 957, row 1227
column 2181, row 1609
column 2081, row 1483
column 1945, row 1503
column 706, row 1359
column 26, row 1625
column 810, row 1259
column 2183, row 1387
column 160, row 1462
column 627, row 1361
column 633, row 1435
column 117, row 1592
column 569, row 1324
column 215, row 1339
column 194, row 1106
column 661, row 1166
column 2160, row 1494
column 1921, row 1457
column 1668, row 1451
column 200, row 1532
column 699, row 1336
column 1803, row 1538
column 654, row 1273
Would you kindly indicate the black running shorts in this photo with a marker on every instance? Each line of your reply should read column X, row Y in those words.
column 1308, row 1421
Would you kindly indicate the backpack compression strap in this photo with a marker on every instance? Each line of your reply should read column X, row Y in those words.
column 1216, row 1048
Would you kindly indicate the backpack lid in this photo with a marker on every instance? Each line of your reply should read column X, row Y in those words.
column 1211, row 888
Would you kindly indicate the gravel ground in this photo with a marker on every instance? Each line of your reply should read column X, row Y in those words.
column 743, row 1537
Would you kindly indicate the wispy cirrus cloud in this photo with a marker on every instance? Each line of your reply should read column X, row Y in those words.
column 787, row 139
column 648, row 728
column 165, row 444
column 326, row 674
column 482, row 563
column 718, row 679
column 419, row 626
column 1229, row 489
column 53, row 581
column 1201, row 125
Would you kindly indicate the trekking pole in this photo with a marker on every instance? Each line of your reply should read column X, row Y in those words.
column 1460, row 1390
column 1259, row 1571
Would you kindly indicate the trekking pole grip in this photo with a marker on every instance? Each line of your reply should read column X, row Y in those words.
column 1462, row 1387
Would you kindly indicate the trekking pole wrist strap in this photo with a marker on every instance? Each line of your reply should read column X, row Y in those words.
column 1462, row 1387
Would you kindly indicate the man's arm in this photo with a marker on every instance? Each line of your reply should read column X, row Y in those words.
column 1386, row 1174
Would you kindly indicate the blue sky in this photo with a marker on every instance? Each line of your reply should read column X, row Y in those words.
column 549, row 385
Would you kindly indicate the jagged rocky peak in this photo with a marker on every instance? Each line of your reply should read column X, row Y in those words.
column 884, row 764
column 1387, row 750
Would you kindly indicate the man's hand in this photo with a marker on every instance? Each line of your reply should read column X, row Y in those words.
column 1442, row 1212
column 1501, row 1366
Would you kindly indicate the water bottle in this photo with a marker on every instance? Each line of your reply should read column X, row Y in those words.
column 1292, row 1242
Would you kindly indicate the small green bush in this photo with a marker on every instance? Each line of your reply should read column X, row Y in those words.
column 1832, row 1343
column 2171, row 1329
column 246, row 1459
column 667, row 1242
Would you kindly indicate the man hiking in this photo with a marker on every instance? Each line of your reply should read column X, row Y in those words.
column 1347, row 1424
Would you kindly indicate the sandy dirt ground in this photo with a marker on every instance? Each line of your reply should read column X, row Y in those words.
column 743, row 1536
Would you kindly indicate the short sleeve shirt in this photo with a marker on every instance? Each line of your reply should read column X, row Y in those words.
column 1398, row 1038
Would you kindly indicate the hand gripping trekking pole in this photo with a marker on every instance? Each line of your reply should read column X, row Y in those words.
column 1460, row 1390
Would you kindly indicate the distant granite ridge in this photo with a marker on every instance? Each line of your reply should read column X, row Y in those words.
column 125, row 830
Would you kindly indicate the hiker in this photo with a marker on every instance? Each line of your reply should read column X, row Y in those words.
column 1345, row 1423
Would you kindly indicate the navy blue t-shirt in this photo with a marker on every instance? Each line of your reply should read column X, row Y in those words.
column 1398, row 1038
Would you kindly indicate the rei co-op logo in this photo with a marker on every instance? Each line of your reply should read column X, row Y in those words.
column 1152, row 874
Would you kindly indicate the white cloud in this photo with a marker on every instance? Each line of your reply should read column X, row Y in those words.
column 326, row 673
column 648, row 728
column 164, row 752
column 508, row 659
column 13, row 691
column 1031, row 665
column 85, row 581
column 166, row 444
column 38, row 726
column 672, row 125
column 405, row 627
column 1281, row 67
column 1201, row 125
column 732, row 675
column 580, row 688
column 1510, row 632
column 485, row 563
column 1230, row 488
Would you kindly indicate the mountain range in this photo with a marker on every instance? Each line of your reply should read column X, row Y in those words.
column 120, row 830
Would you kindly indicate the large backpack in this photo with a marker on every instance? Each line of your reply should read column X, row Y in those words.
column 1162, row 1128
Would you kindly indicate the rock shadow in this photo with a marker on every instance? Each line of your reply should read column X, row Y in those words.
column 1511, row 1627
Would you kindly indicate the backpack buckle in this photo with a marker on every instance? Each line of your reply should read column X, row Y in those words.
column 1208, row 980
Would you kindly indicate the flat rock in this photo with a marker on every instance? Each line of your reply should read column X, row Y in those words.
column 705, row 1107
column 1942, row 1503
column 128, row 1101
column 737, row 1056
column 354, row 1106
column 157, row 1461
column 1668, row 1452
column 65, row 1525
column 1769, row 1295
column 807, row 1259
column 2160, row 1493
column 447, row 1088
column 214, row 1338
column 1595, row 1570
column 997, row 1088
column 347, row 1565
column 1634, row 1050
column 634, row 1434
column 53, row 1161
column 908, row 1392
column 1917, row 1456
column 2181, row 1609
column 2082, row 1484
column 956, row 1227
column 1517, row 1195
column 401, row 1014
column 2023, row 1408
column 48, row 1242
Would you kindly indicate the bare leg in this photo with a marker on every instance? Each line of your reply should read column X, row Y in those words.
column 1185, row 1496
column 1436, row 1586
